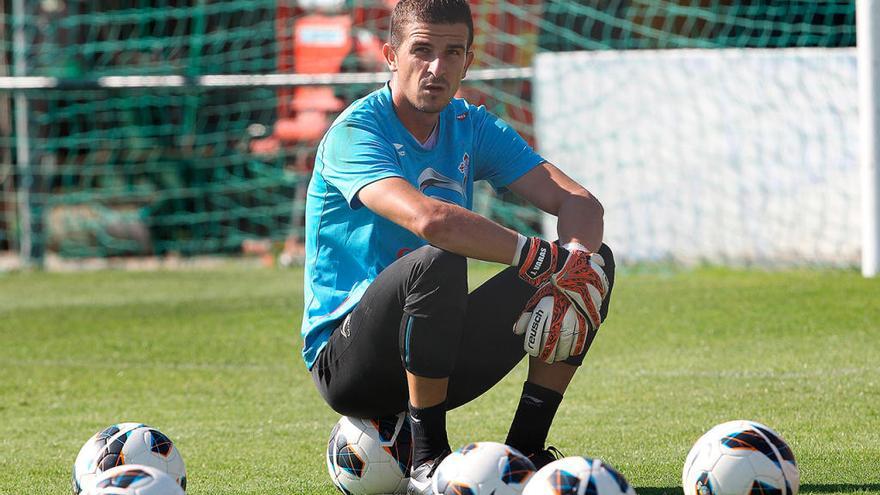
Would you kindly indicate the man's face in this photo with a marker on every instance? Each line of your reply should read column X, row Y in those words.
column 430, row 63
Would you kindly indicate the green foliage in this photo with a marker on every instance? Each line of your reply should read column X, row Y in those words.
column 212, row 359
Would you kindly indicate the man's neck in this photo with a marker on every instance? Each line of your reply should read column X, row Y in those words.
column 419, row 124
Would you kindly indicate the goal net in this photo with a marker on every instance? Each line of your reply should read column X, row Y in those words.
column 176, row 127
column 722, row 156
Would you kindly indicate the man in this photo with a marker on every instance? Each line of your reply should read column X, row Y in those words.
column 388, row 323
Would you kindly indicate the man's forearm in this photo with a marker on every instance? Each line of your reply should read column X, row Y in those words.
column 580, row 220
column 464, row 232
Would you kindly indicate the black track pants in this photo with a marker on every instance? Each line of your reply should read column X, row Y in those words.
column 418, row 316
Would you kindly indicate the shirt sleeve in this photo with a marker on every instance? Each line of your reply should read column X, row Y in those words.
column 354, row 156
column 502, row 155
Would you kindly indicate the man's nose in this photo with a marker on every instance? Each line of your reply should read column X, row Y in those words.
column 437, row 66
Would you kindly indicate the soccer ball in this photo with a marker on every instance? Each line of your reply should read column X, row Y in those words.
column 578, row 476
column 135, row 479
column 370, row 456
column 126, row 443
column 483, row 468
column 740, row 458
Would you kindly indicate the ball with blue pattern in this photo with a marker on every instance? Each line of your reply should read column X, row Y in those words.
column 740, row 458
column 135, row 479
column 578, row 476
column 123, row 444
column 483, row 468
column 370, row 456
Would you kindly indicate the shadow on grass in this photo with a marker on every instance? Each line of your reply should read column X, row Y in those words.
column 655, row 490
column 840, row 488
column 808, row 488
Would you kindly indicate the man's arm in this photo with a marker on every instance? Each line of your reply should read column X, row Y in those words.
column 442, row 224
column 580, row 284
column 464, row 232
column 579, row 214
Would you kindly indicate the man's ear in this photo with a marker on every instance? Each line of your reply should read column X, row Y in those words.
column 390, row 57
column 469, row 59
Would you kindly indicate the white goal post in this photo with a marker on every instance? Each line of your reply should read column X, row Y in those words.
column 868, row 39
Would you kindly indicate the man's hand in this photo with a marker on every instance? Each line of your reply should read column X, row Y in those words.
column 583, row 281
column 579, row 275
column 553, row 330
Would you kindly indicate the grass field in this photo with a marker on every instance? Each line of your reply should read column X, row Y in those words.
column 212, row 359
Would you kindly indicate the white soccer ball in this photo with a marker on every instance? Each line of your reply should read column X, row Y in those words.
column 483, row 468
column 135, row 479
column 370, row 456
column 578, row 476
column 126, row 443
column 740, row 458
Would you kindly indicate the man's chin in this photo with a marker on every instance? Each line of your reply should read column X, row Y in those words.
column 433, row 105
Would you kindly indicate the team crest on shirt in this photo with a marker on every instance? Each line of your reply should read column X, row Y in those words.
column 465, row 164
column 461, row 116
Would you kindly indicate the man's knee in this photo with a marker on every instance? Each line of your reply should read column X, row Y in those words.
column 608, row 258
column 433, row 319
column 439, row 264
column 438, row 284
column 609, row 268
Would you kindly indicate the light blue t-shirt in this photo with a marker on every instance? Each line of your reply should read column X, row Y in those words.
column 347, row 245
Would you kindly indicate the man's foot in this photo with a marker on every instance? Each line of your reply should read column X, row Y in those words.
column 543, row 457
column 420, row 477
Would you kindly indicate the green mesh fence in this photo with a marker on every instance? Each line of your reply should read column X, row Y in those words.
column 197, row 170
column 647, row 24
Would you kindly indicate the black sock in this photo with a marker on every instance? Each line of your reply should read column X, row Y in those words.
column 537, row 407
column 429, row 432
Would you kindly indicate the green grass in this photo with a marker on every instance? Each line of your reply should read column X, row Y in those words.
column 212, row 359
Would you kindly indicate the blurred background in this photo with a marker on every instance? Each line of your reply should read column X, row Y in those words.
column 148, row 129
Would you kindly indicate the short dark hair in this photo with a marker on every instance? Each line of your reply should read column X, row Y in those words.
column 431, row 12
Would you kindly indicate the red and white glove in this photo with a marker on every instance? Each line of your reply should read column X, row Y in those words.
column 553, row 330
column 583, row 281
column 572, row 286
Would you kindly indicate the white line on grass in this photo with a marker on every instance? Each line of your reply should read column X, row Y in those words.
column 807, row 373
column 66, row 363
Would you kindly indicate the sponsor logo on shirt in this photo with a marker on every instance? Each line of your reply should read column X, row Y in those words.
column 464, row 165
column 432, row 178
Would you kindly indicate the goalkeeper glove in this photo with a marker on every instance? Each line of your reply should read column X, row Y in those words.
column 578, row 274
column 553, row 330
column 583, row 281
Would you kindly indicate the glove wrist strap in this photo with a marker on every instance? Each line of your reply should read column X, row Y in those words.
column 575, row 246
column 521, row 241
column 537, row 261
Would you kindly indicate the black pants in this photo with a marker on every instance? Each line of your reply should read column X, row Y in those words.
column 418, row 316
